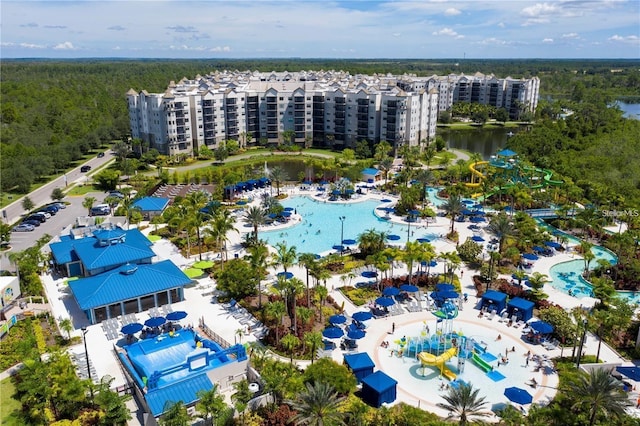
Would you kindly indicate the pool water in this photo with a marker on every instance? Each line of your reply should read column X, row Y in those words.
column 321, row 226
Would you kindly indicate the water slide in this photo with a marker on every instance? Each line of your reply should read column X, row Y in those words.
column 477, row 173
column 484, row 365
column 427, row 358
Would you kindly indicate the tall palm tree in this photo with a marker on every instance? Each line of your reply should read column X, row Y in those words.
column 276, row 310
column 277, row 176
column 255, row 216
column 290, row 290
column 210, row 404
column 313, row 339
column 599, row 393
column 502, row 227
column 425, row 177
column 308, row 260
column 587, row 254
column 195, row 201
column 464, row 404
column 318, row 406
column 88, row 202
column 290, row 342
column 284, row 256
column 453, row 206
column 413, row 252
column 258, row 255
column 372, row 241
column 221, row 224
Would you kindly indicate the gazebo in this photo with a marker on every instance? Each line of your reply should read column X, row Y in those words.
column 360, row 365
column 494, row 300
column 378, row 388
column 521, row 308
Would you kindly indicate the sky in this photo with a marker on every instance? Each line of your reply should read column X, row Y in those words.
column 428, row 29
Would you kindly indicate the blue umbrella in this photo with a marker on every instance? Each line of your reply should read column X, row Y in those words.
column 466, row 212
column 423, row 240
column 289, row 209
column 272, row 215
column 552, row 244
column 241, row 202
column 539, row 249
column 338, row 247
column 385, row 301
column 132, row 328
column 444, row 287
column 155, row 321
column 391, row 291
column 516, row 277
column 355, row 333
column 336, row 192
column 448, row 294
column 433, row 263
column 337, row 319
column 530, row 256
column 469, row 202
column 409, row 288
column 286, row 213
column 176, row 316
column 349, row 242
column 414, row 212
column 477, row 219
column 369, row 274
column 362, row 316
column 477, row 206
column 541, row 327
column 287, row 275
column 518, row 395
column 393, row 237
column 332, row 332
column 385, row 200
column 478, row 239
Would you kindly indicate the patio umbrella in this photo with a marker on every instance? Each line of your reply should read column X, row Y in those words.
column 385, row 200
column 176, row 316
column 203, row 264
column 287, row 275
column 477, row 219
column 349, row 242
column 393, row 237
column 409, row 288
column 466, row 212
column 338, row 247
column 444, row 287
column 468, row 202
column 336, row 192
column 337, row 319
column 155, row 321
column 478, row 239
column 369, row 274
column 538, row 249
column 448, row 294
column 194, row 272
column 519, row 278
column 286, row 214
column 423, row 240
column 390, row 291
column 541, row 327
column 132, row 328
column 552, row 244
column 362, row 316
column 241, row 202
column 385, row 301
column 332, row 333
column 288, row 209
column 530, row 256
column 355, row 333
column 631, row 372
column 518, row 395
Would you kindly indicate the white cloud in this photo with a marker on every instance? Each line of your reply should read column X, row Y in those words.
column 67, row 45
column 493, row 41
column 452, row 11
column 501, row 24
column 116, row 48
column 448, row 32
column 539, row 9
column 396, row 34
column 570, row 35
column 220, row 49
column 632, row 39
column 116, row 28
column 547, row 40
column 23, row 45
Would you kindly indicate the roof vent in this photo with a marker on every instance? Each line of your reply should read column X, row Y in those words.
column 128, row 269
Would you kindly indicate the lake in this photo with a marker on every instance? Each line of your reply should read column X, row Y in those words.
column 630, row 110
column 485, row 141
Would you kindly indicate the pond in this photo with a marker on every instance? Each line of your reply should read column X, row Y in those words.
column 631, row 110
column 485, row 141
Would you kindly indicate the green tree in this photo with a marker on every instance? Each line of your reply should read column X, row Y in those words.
column 502, row 227
column 175, row 414
column 290, row 342
column 57, row 194
column 326, row 370
column 88, row 203
column 284, row 256
column 308, row 260
column 258, row 256
column 453, row 207
column 318, row 406
column 210, row 404
column 372, row 241
column 502, row 115
column 67, row 326
column 233, row 279
column 255, row 216
column 362, row 149
column 314, row 340
column 599, row 395
column 464, row 404
column 27, row 204
column 277, row 176
column 107, row 179
column 113, row 406
column 242, row 396
column 276, row 310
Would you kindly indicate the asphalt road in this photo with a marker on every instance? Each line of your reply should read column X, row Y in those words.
column 41, row 196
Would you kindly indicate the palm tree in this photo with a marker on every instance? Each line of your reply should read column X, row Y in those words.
column 599, row 393
column 314, row 340
column 464, row 404
column 258, row 255
column 290, row 289
column 221, row 224
column 414, row 251
column 88, row 202
column 276, row 310
column 290, row 342
column 284, row 256
column 587, row 254
column 210, row 403
column 67, row 326
column 537, row 281
column 318, row 406
column 502, row 228
column 308, row 260
column 277, row 175
column 372, row 241
column 425, row 177
column 195, row 201
column 453, row 207
column 255, row 216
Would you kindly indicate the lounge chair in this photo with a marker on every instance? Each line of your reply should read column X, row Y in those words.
column 504, row 316
column 491, row 315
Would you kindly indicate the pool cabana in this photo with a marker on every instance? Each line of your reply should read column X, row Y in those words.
column 494, row 301
column 378, row 388
column 361, row 365
column 521, row 308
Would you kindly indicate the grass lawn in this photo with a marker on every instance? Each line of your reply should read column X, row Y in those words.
column 7, row 404
column 79, row 190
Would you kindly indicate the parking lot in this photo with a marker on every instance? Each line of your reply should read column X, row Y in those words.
column 53, row 226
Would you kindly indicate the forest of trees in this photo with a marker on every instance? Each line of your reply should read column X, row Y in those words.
column 54, row 112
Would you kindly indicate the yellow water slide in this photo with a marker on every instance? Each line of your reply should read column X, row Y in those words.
column 476, row 172
column 427, row 358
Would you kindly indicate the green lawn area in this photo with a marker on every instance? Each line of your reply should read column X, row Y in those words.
column 82, row 190
column 7, row 404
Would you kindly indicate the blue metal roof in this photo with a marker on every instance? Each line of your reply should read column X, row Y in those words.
column 184, row 391
column 359, row 361
column 370, row 171
column 507, row 153
column 151, row 204
column 127, row 282
column 134, row 248
column 63, row 252
column 379, row 381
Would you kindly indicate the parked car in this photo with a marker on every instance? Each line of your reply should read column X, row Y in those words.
column 59, row 205
column 100, row 154
column 47, row 215
column 37, row 216
column 32, row 222
column 85, row 169
column 51, row 209
column 116, row 194
column 100, row 210
column 23, row 227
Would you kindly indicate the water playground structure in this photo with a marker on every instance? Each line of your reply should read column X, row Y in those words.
column 506, row 166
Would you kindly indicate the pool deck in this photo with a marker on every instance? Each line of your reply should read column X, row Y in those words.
column 200, row 304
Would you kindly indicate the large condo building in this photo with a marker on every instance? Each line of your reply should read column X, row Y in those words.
column 323, row 108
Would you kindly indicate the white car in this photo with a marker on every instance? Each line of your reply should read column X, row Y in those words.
column 24, row 227
column 46, row 214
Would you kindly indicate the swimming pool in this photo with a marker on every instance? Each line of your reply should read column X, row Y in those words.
column 321, row 226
